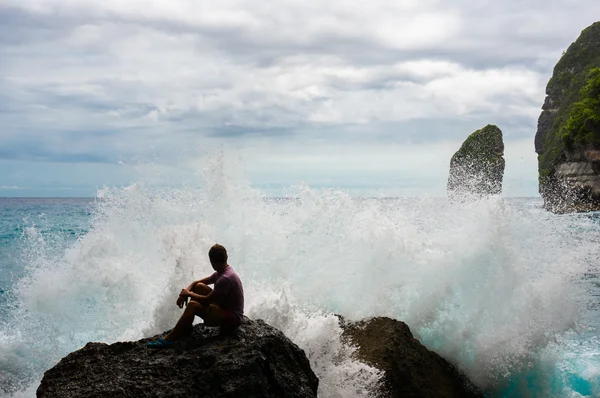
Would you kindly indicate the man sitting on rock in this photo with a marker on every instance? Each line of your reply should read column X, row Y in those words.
column 222, row 306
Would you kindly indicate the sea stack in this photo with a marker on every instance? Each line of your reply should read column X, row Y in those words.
column 477, row 168
column 568, row 135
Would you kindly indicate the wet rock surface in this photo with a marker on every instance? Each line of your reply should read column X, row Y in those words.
column 411, row 370
column 254, row 360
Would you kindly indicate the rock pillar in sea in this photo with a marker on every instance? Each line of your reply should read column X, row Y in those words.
column 477, row 168
column 568, row 135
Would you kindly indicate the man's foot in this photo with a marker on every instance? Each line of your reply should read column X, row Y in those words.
column 160, row 343
column 179, row 334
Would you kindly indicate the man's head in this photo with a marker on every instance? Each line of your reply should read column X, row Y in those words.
column 218, row 257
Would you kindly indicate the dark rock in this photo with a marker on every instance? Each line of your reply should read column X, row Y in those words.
column 567, row 140
column 254, row 360
column 477, row 168
column 411, row 370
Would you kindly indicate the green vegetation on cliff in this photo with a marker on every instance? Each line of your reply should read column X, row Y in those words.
column 564, row 90
column 583, row 125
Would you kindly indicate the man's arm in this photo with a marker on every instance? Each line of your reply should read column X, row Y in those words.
column 222, row 287
column 182, row 300
column 206, row 281
column 204, row 300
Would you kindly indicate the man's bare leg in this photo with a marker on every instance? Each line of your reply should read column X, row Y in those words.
column 193, row 308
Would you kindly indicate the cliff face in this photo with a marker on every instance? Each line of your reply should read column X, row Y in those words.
column 477, row 168
column 255, row 360
column 568, row 136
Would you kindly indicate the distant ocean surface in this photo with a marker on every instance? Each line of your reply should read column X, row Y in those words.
column 500, row 287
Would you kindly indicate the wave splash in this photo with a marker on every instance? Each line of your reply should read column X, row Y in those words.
column 494, row 286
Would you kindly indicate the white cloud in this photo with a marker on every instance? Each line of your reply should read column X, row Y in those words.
column 116, row 79
column 134, row 62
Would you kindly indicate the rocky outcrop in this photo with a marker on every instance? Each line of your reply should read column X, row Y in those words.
column 255, row 360
column 411, row 370
column 477, row 168
column 568, row 135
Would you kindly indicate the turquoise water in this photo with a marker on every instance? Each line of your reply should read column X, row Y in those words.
column 61, row 221
column 500, row 287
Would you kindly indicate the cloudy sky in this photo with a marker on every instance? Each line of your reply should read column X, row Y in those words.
column 369, row 96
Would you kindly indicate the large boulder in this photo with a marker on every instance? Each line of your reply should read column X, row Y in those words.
column 255, row 360
column 411, row 370
column 568, row 135
column 477, row 168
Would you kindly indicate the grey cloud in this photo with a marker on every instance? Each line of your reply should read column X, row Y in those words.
column 239, row 131
column 36, row 151
column 243, row 99
column 492, row 35
column 51, row 96
column 487, row 38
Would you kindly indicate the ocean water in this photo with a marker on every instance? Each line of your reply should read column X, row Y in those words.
column 503, row 289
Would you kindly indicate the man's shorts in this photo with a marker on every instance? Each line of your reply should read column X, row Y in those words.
column 213, row 315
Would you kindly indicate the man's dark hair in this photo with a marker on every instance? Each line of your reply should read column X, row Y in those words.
column 217, row 254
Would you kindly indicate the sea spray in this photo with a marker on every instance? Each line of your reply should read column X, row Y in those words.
column 496, row 286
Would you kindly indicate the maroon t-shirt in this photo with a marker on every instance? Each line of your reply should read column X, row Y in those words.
column 229, row 291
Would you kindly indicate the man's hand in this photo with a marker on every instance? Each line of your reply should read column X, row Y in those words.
column 181, row 301
column 183, row 298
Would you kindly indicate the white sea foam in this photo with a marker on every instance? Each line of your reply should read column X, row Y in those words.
column 490, row 285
